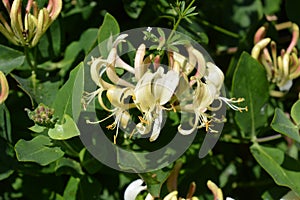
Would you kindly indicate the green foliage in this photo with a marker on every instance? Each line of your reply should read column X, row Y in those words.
column 39, row 150
column 47, row 160
column 283, row 125
column 250, row 82
column 284, row 170
column 10, row 59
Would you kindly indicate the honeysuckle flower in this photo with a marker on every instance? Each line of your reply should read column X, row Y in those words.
column 207, row 90
column 151, row 92
column 35, row 23
column 217, row 192
column 188, row 84
column 136, row 187
column 283, row 68
column 4, row 88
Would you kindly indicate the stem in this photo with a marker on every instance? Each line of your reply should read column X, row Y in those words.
column 220, row 29
column 268, row 138
column 181, row 15
column 31, row 59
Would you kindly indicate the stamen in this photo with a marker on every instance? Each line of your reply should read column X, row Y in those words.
column 143, row 120
column 102, row 120
column 230, row 103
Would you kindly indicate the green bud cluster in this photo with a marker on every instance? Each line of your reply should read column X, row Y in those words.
column 42, row 116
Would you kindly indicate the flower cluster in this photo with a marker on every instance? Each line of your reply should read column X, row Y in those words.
column 189, row 84
column 42, row 116
column 283, row 68
column 4, row 89
column 36, row 21
column 136, row 187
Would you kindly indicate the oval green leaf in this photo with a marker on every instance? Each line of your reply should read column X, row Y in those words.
column 39, row 150
column 283, row 125
column 250, row 82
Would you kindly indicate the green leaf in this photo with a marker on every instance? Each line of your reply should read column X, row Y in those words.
column 250, row 82
column 284, row 170
column 88, row 39
column 64, row 131
column 39, row 150
column 37, row 129
column 68, row 166
column 295, row 112
column 109, row 27
column 71, row 189
column 154, row 180
column 283, row 125
column 134, row 8
column 39, row 92
column 10, row 59
column 68, row 99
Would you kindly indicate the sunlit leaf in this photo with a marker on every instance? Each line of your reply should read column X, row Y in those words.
column 39, row 150
column 66, row 130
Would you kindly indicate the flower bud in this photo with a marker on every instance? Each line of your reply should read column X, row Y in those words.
column 4, row 87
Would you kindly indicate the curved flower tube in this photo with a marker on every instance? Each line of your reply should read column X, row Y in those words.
column 283, row 68
column 4, row 88
column 35, row 23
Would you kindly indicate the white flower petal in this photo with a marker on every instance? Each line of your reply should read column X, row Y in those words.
column 110, row 70
column 287, row 86
column 157, row 126
column 204, row 95
column 215, row 75
column 143, row 94
column 134, row 189
column 139, row 67
column 165, row 86
column 229, row 198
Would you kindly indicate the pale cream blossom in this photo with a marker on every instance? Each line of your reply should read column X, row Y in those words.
column 189, row 84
